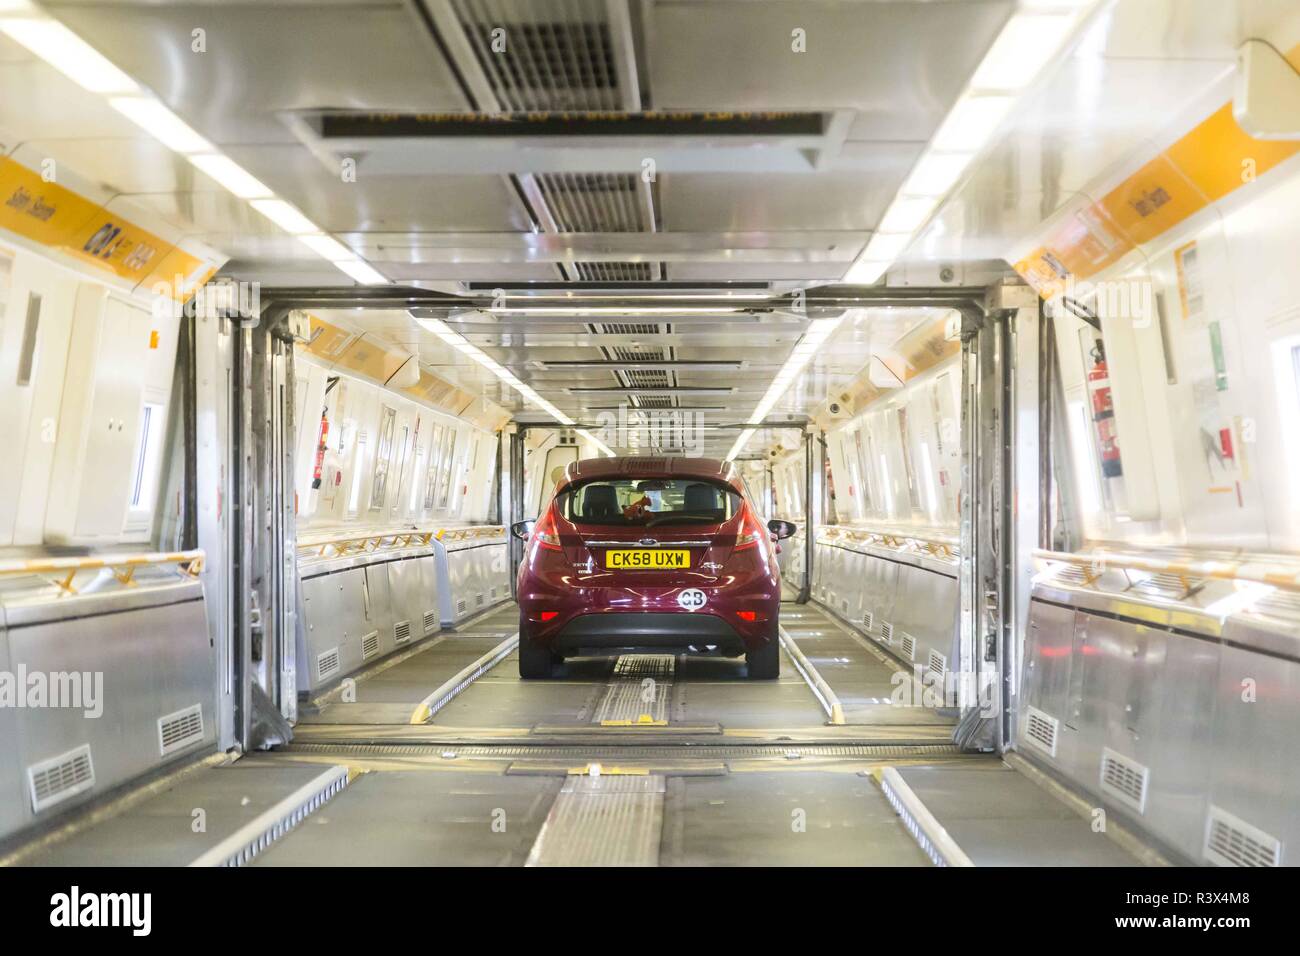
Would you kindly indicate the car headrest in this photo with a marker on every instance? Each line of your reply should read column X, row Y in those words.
column 600, row 501
column 702, row 498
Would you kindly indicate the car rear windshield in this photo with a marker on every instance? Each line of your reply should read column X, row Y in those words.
column 647, row 502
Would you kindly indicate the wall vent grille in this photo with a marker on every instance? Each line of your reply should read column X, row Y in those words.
column 177, row 731
column 430, row 622
column 327, row 664
column 1231, row 841
column 868, row 618
column 370, row 645
column 887, row 632
column 478, row 599
column 909, row 647
column 461, row 606
column 61, row 778
column 937, row 663
column 1124, row 779
column 402, row 632
column 1041, row 730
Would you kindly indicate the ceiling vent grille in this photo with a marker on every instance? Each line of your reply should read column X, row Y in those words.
column 430, row 622
column 177, row 731
column 61, row 778
column 402, row 632
column 594, row 202
column 1041, row 730
column 327, row 664
column 646, row 378
column 652, row 401
column 370, row 645
column 624, row 353
column 546, row 56
column 1231, row 841
column 616, row 271
column 630, row 328
column 1124, row 779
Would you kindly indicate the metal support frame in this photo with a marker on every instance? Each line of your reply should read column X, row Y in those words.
column 516, row 546
column 810, row 519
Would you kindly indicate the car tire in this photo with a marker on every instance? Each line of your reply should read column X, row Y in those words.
column 764, row 662
column 536, row 662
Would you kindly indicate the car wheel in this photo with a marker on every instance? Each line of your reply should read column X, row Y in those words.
column 536, row 662
column 765, row 662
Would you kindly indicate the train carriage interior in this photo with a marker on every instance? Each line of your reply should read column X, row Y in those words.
column 324, row 324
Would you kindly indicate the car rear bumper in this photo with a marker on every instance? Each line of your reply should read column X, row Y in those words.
column 648, row 632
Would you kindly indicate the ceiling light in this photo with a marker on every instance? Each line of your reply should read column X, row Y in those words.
column 327, row 247
column 285, row 216
column 363, row 272
column 231, row 175
column 908, row 213
column 887, row 245
column 865, row 272
column 1024, row 47
column 612, row 310
column 741, row 441
column 936, row 173
column 971, row 123
column 160, row 123
column 595, row 441
column 69, row 54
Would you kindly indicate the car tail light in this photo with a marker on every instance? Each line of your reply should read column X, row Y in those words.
column 750, row 616
column 751, row 531
column 545, row 533
column 549, row 616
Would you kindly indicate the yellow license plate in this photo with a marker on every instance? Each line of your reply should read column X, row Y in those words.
column 647, row 559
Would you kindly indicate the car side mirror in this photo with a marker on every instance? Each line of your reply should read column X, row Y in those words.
column 522, row 529
column 782, row 529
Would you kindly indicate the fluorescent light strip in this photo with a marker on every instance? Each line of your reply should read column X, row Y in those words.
column 83, row 64
column 69, row 54
column 816, row 335
column 614, row 310
column 462, row 344
column 1033, row 36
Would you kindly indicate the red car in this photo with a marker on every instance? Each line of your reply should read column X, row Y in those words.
column 651, row 556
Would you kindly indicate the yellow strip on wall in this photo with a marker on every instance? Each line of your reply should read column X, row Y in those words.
column 1214, row 158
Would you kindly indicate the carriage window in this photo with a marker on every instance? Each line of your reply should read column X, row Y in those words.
column 383, row 453
column 444, row 466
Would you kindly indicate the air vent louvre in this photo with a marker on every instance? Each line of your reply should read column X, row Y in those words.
column 628, row 328
column 646, row 378
column 1231, row 841
column 177, row 731
column 887, row 633
column 1124, row 779
column 461, row 606
column 652, row 401
column 1041, row 729
column 625, row 354
column 937, row 663
column 1170, row 585
column 616, row 271
column 551, row 60
column 370, row 645
column 478, row 599
column 327, row 664
column 909, row 647
column 868, row 618
column 402, row 632
column 61, row 778
column 430, row 622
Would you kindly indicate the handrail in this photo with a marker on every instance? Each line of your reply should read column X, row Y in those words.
column 1098, row 560
column 350, row 543
column 123, row 566
column 941, row 546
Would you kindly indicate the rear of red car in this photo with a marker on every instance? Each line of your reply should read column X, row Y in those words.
column 666, row 559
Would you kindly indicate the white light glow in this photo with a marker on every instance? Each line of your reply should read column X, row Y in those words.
column 596, row 441
column 865, row 272
column 908, row 213
column 1024, row 47
column 231, row 176
column 361, row 271
column 285, row 216
column 936, row 173
column 69, row 54
column 971, row 124
column 887, row 246
column 613, row 310
column 327, row 247
column 160, row 123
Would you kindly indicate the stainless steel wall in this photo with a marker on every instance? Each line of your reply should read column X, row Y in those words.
column 360, row 608
column 1182, row 722
column 149, row 645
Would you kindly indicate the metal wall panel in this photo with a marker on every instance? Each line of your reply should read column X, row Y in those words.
column 154, row 662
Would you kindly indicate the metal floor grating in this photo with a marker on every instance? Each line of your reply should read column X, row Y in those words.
column 629, row 751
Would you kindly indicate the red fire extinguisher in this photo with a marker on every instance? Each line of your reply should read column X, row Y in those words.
column 320, row 449
column 1103, row 413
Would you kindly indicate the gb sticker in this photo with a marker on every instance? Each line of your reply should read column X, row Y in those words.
column 692, row 599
